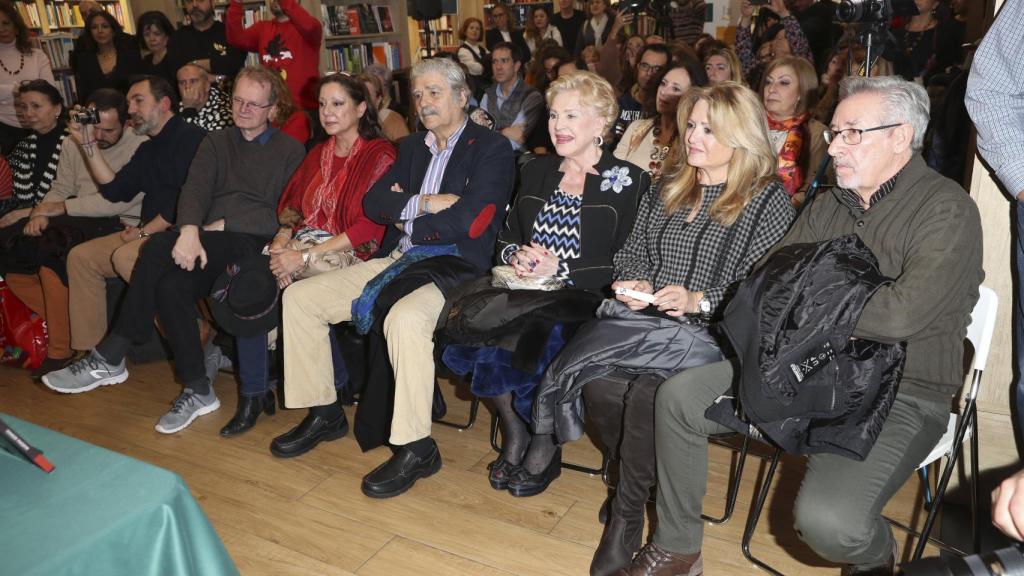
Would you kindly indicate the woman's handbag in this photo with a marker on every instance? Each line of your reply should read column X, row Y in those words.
column 22, row 332
column 506, row 277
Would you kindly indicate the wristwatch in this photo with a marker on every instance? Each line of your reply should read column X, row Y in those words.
column 704, row 305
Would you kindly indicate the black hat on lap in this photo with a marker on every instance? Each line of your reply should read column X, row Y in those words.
column 245, row 299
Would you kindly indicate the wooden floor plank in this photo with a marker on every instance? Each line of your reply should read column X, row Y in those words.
column 306, row 515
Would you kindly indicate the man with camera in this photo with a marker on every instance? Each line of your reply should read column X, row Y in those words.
column 202, row 103
column 227, row 210
column 926, row 235
column 72, row 212
column 152, row 178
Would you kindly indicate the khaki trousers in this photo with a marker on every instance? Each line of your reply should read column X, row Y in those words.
column 89, row 265
column 313, row 304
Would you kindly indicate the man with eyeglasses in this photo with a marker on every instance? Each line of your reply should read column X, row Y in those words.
column 925, row 232
column 227, row 210
column 514, row 105
column 649, row 62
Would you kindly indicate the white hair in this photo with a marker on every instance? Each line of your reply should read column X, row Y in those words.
column 446, row 68
column 903, row 102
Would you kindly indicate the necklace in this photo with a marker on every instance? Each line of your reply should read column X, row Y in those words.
column 658, row 155
column 20, row 66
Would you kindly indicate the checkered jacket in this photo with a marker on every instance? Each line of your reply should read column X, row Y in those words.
column 702, row 255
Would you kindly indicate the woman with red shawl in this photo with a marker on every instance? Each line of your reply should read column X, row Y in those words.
column 322, row 221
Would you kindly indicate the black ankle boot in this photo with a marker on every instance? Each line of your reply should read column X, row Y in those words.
column 248, row 410
column 620, row 541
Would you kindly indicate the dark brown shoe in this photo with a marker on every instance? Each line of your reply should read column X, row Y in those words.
column 654, row 560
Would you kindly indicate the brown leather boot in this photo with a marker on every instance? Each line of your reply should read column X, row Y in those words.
column 654, row 560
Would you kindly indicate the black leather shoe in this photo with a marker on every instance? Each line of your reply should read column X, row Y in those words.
column 310, row 432
column 620, row 541
column 400, row 472
column 248, row 410
column 501, row 472
column 526, row 484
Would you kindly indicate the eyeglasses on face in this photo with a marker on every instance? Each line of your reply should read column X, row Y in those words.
column 244, row 105
column 645, row 67
column 853, row 136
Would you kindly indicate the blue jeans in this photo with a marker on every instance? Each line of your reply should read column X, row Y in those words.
column 254, row 364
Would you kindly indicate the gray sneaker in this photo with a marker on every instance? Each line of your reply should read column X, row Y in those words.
column 88, row 373
column 187, row 407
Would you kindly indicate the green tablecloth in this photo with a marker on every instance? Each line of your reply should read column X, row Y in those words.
column 98, row 513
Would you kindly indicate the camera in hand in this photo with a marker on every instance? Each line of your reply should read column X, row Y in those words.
column 85, row 116
column 874, row 11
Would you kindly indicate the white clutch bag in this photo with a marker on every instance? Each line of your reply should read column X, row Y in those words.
column 506, row 277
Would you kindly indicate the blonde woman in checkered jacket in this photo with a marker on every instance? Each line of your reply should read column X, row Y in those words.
column 718, row 209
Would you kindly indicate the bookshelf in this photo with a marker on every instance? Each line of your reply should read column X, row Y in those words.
column 52, row 16
column 442, row 32
column 357, row 34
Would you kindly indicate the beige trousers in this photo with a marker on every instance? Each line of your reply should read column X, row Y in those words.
column 313, row 304
column 89, row 265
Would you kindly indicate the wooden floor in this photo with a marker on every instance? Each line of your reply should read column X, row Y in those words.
column 307, row 515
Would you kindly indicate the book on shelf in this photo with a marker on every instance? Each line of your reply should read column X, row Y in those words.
column 29, row 14
column 383, row 14
column 66, row 85
column 356, row 19
column 367, row 19
column 57, row 47
column 252, row 14
column 352, row 13
column 353, row 58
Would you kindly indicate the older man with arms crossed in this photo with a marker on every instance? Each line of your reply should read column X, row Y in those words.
column 926, row 233
column 445, row 194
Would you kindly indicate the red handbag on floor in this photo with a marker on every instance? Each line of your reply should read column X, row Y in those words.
column 22, row 332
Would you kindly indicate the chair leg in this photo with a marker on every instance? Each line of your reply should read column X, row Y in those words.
column 474, row 407
column 734, row 487
column 755, row 516
column 940, row 490
column 926, row 486
column 975, row 532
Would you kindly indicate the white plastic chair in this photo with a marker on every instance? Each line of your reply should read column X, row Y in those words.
column 961, row 427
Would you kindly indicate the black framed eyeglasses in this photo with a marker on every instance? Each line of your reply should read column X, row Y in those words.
column 853, row 136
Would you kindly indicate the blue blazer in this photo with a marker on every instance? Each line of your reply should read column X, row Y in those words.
column 481, row 172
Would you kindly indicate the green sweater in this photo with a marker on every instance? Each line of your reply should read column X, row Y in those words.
column 239, row 181
column 926, row 234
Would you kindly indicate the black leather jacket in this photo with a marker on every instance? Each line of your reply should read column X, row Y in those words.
column 805, row 383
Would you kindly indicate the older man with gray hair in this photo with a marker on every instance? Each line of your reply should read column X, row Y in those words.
column 926, row 234
column 442, row 202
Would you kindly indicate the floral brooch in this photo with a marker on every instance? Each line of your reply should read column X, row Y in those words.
column 615, row 178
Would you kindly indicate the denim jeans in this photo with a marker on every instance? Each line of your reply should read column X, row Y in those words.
column 254, row 364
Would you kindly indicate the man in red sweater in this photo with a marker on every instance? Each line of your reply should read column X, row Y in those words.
column 290, row 44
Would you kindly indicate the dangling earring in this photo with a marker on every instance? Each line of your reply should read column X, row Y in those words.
column 599, row 141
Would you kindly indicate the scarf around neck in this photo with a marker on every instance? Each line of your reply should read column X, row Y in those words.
column 790, row 171
column 30, row 187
